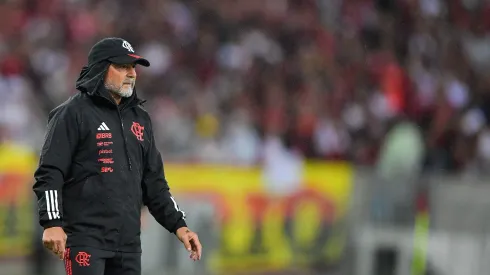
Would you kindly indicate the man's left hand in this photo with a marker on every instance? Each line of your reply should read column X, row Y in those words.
column 191, row 242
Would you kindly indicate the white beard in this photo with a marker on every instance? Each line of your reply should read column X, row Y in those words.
column 122, row 91
column 125, row 91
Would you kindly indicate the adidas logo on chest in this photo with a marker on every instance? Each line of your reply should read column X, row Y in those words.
column 103, row 127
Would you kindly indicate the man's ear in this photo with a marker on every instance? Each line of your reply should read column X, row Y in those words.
column 107, row 72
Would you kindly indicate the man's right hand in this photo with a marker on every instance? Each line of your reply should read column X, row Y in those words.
column 54, row 239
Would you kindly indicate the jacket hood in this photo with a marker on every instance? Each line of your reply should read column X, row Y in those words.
column 91, row 81
column 91, row 77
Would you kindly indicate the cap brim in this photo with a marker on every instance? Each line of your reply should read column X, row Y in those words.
column 130, row 59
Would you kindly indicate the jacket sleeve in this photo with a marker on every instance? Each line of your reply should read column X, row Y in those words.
column 156, row 192
column 56, row 154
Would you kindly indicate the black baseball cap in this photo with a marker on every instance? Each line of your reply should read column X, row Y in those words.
column 115, row 50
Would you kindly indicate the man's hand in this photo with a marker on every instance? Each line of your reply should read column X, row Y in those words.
column 54, row 239
column 191, row 242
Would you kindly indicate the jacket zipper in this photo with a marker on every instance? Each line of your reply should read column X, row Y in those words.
column 124, row 138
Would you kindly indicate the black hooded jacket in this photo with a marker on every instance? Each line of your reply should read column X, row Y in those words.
column 99, row 166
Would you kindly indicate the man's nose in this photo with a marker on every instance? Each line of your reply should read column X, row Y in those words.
column 132, row 72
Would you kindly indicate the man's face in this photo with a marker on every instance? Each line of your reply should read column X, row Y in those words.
column 120, row 79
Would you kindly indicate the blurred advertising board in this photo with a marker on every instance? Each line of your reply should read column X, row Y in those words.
column 17, row 220
column 262, row 231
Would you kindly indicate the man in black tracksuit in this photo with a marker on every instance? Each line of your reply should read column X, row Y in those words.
column 99, row 166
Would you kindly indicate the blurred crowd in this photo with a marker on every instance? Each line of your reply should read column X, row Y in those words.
column 232, row 79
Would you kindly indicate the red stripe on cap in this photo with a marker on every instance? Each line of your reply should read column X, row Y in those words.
column 135, row 56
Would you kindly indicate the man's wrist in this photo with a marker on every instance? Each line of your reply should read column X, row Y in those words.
column 181, row 232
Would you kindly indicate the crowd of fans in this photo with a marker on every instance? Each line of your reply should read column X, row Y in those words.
column 231, row 79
